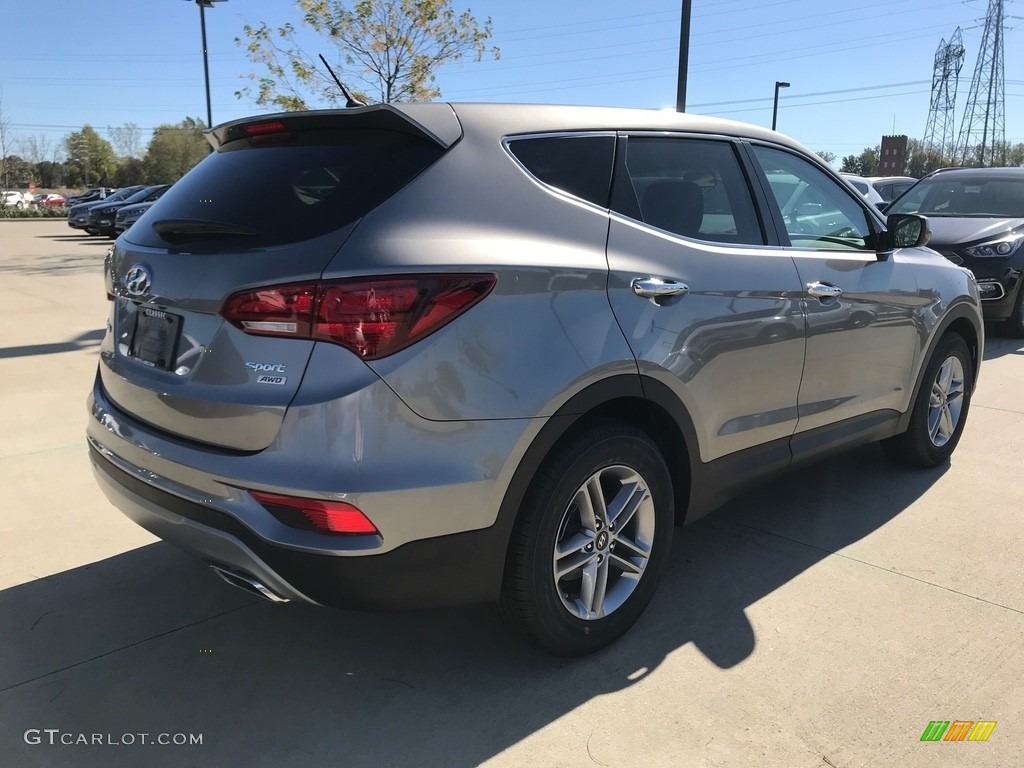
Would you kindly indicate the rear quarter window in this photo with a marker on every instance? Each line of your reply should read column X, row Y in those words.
column 579, row 165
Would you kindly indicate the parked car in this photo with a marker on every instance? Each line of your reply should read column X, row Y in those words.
column 78, row 214
column 90, row 195
column 891, row 187
column 977, row 220
column 865, row 187
column 102, row 216
column 128, row 215
column 431, row 354
column 12, row 199
column 51, row 200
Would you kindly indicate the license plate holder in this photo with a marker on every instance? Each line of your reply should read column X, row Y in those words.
column 155, row 339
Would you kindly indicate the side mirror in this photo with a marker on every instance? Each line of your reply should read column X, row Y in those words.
column 904, row 230
column 882, row 205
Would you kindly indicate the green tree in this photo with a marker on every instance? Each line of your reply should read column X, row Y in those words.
column 391, row 49
column 130, row 170
column 922, row 160
column 828, row 157
column 91, row 161
column 174, row 149
column 864, row 164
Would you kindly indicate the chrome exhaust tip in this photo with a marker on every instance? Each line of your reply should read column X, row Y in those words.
column 249, row 584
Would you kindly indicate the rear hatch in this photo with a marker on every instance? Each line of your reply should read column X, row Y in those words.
column 271, row 206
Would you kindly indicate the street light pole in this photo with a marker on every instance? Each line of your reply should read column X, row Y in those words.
column 775, row 107
column 684, row 56
column 203, row 5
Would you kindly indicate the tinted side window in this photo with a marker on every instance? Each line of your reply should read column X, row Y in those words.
column 579, row 165
column 817, row 211
column 690, row 187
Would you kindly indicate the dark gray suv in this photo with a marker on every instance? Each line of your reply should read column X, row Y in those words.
column 435, row 354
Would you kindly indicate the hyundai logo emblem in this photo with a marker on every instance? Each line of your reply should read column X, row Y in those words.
column 137, row 281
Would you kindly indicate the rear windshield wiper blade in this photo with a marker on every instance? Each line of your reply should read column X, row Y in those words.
column 186, row 230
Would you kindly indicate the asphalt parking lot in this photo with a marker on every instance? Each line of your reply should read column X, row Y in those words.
column 823, row 620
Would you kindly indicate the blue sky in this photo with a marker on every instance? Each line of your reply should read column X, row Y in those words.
column 857, row 71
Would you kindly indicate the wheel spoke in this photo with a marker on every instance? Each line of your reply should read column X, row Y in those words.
column 572, row 555
column 945, row 376
column 626, row 501
column 628, row 567
column 585, row 505
column 593, row 588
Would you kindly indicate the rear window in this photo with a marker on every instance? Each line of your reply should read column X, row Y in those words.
column 271, row 194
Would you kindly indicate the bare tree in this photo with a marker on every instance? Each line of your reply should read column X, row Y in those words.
column 127, row 140
column 5, row 147
column 35, row 149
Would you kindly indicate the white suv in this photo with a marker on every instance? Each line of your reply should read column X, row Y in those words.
column 13, row 199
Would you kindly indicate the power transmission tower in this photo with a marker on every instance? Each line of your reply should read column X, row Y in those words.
column 983, row 130
column 940, row 130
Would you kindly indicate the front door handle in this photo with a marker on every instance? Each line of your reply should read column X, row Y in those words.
column 824, row 290
column 655, row 288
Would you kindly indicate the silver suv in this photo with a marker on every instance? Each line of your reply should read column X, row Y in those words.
column 435, row 354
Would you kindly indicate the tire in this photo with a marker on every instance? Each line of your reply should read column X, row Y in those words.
column 562, row 541
column 1014, row 324
column 940, row 410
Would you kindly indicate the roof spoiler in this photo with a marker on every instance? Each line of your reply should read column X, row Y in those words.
column 436, row 123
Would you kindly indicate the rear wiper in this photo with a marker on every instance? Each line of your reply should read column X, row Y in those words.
column 186, row 230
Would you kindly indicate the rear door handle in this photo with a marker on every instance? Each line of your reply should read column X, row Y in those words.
column 655, row 288
column 824, row 290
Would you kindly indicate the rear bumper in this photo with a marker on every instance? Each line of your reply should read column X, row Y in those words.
column 446, row 570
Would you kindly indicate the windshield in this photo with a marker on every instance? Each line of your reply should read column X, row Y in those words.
column 964, row 196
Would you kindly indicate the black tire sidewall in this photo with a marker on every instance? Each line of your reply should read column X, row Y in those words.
column 918, row 429
column 555, row 629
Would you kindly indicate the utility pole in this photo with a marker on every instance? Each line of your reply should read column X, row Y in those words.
column 684, row 56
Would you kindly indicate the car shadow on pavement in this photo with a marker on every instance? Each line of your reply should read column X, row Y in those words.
column 58, row 265
column 85, row 340
column 150, row 642
column 998, row 346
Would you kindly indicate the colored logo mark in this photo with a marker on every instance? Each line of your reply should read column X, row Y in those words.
column 958, row 730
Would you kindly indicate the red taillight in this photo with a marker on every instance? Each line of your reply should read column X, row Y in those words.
column 372, row 317
column 281, row 310
column 324, row 516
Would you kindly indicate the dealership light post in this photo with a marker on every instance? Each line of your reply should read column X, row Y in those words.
column 203, row 5
column 775, row 107
column 684, row 56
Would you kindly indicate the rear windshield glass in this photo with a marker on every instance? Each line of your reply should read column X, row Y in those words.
column 272, row 194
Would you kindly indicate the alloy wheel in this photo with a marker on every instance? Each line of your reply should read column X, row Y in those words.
column 946, row 402
column 604, row 542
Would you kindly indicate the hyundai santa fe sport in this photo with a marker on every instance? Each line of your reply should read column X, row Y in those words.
column 434, row 354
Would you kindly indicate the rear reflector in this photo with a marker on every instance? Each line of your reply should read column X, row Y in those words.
column 318, row 514
column 373, row 317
